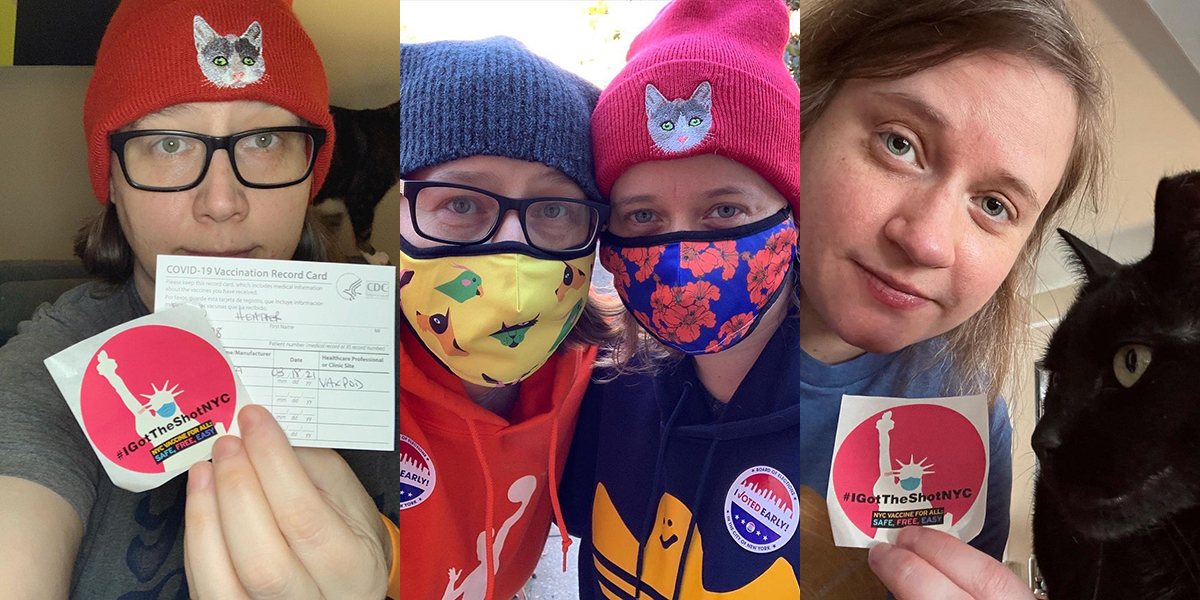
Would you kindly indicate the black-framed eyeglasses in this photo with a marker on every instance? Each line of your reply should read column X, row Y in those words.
column 160, row 160
column 462, row 215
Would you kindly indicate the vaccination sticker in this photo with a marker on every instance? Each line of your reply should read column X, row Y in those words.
column 899, row 462
column 761, row 510
column 151, row 395
column 417, row 475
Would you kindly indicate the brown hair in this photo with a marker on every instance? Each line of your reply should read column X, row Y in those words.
column 874, row 39
column 598, row 324
column 101, row 245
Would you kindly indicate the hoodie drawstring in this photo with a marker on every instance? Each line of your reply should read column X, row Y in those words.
column 652, row 506
column 489, row 508
column 558, row 516
column 697, row 507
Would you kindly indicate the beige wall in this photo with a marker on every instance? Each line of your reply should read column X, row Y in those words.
column 44, row 189
column 44, row 186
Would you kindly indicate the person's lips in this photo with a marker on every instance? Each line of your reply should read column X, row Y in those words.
column 890, row 291
column 221, row 253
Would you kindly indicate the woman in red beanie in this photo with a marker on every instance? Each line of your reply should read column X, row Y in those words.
column 779, row 250
column 208, row 132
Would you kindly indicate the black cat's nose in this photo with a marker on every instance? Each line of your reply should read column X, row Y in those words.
column 1046, row 440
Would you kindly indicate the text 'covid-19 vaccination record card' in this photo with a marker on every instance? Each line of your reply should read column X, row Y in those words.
column 312, row 342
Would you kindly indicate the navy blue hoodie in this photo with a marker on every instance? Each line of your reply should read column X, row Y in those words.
column 653, row 468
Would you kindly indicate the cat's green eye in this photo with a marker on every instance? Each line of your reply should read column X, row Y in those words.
column 695, row 121
column 1130, row 362
column 249, row 62
column 667, row 126
column 220, row 61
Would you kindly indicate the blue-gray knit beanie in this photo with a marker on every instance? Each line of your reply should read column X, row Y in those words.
column 493, row 97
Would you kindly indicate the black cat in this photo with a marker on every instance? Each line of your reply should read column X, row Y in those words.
column 1117, row 508
column 366, row 162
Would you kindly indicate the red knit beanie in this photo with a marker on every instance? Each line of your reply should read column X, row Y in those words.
column 705, row 77
column 151, row 58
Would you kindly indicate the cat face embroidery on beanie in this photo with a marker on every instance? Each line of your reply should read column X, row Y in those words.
column 229, row 61
column 681, row 124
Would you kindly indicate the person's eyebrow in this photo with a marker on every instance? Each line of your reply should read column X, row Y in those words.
column 555, row 176
column 479, row 179
column 717, row 192
column 726, row 190
column 635, row 199
column 915, row 104
column 1023, row 190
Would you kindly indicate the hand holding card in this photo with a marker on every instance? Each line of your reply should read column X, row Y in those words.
column 266, row 520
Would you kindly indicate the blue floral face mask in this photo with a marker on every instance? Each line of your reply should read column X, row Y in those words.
column 701, row 292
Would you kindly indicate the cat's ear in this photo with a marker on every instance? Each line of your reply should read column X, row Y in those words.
column 254, row 34
column 1097, row 266
column 202, row 33
column 703, row 94
column 654, row 99
column 1177, row 216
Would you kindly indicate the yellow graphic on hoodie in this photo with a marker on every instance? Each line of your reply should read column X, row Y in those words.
column 612, row 540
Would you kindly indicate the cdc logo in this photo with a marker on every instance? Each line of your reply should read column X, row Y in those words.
column 349, row 286
column 378, row 289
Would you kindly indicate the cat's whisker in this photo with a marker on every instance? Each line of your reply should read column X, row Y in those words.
column 1099, row 571
column 1190, row 560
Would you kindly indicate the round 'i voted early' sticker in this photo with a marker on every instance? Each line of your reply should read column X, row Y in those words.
column 417, row 474
column 762, row 510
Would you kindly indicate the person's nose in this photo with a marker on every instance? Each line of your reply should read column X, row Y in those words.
column 220, row 196
column 509, row 229
column 927, row 227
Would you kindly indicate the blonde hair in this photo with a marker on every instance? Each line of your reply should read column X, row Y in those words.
column 885, row 39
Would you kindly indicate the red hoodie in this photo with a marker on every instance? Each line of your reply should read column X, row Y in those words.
column 466, row 471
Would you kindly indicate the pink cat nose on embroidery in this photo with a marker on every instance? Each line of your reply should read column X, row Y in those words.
column 682, row 139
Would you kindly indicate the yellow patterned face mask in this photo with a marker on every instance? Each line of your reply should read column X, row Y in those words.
column 492, row 318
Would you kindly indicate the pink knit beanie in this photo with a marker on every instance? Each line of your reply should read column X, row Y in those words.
column 705, row 77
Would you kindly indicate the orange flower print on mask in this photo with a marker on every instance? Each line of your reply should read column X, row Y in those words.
column 759, row 280
column 644, row 258
column 687, row 320
column 780, row 240
column 727, row 258
column 698, row 293
column 661, row 301
column 733, row 330
column 702, row 258
column 615, row 265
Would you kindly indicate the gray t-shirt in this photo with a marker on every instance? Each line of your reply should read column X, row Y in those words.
column 132, row 545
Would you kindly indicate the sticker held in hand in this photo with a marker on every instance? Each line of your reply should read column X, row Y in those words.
column 151, row 395
column 901, row 462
